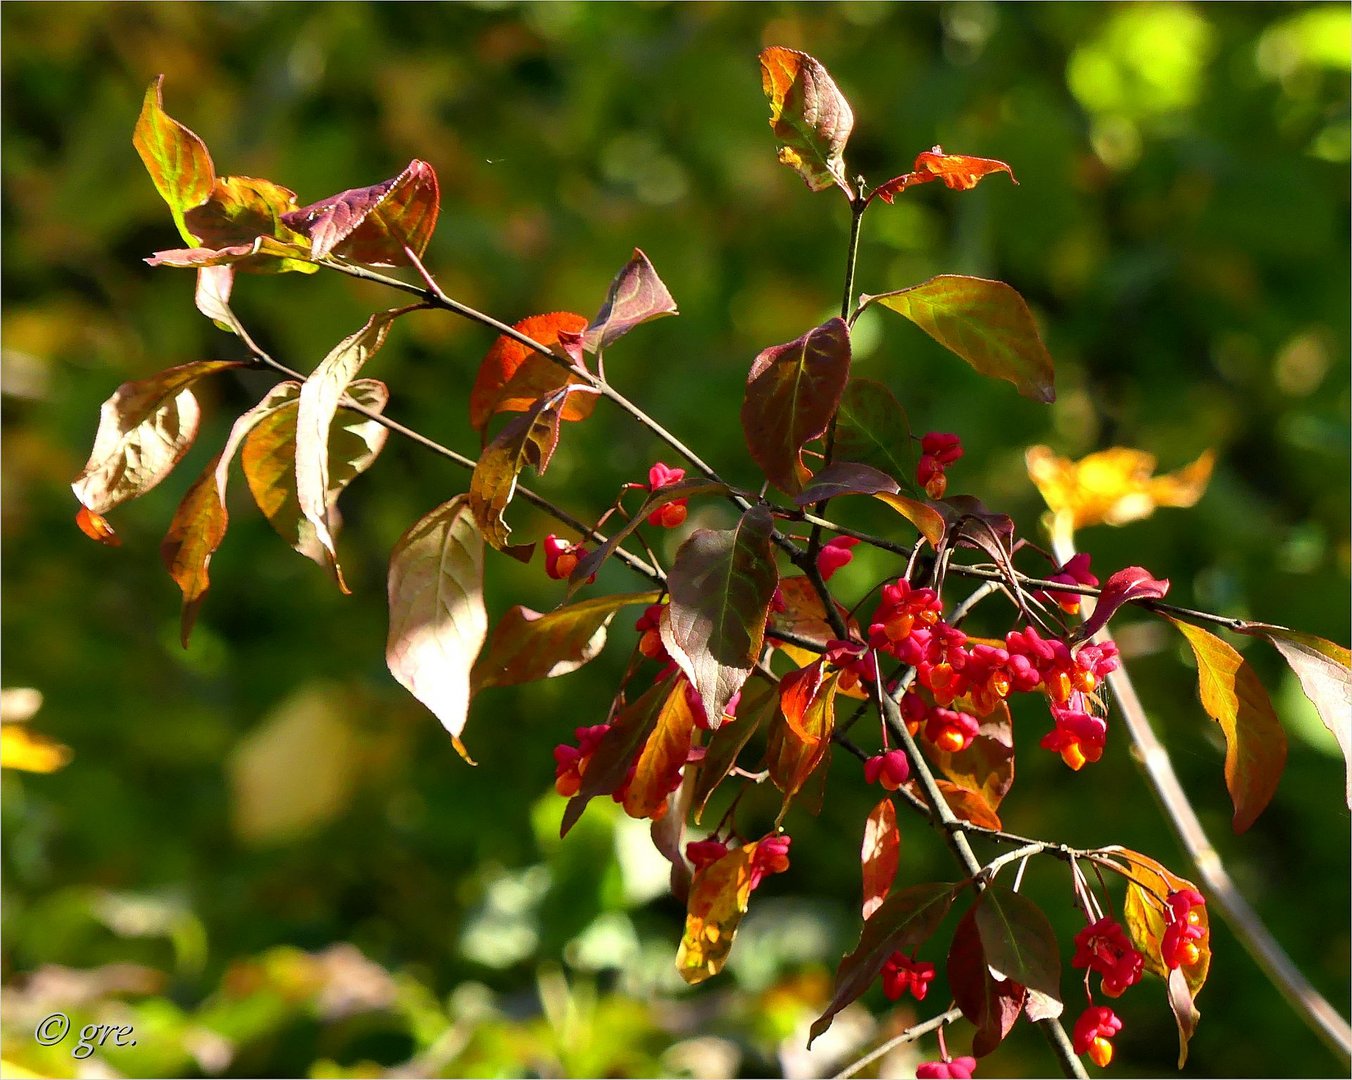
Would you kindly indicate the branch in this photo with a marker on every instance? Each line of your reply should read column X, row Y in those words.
column 912, row 1033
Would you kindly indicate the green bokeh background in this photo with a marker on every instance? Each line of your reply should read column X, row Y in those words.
column 268, row 859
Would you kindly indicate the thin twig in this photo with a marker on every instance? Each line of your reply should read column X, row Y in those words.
column 915, row 1031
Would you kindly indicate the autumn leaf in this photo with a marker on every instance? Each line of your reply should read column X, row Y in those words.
column 1125, row 586
column 800, row 736
column 1255, row 745
column 437, row 617
column 991, row 1004
column 319, row 399
column 718, row 899
column 636, row 295
column 986, row 766
column 905, row 921
column 212, row 297
column 1325, row 673
column 758, row 704
column 1185, row 1012
column 721, row 585
column 96, row 527
column 196, row 531
column 244, row 214
column 809, row 115
column 803, row 615
column 145, row 428
column 958, row 171
column 792, row 392
column 1148, row 887
column 662, row 758
column 880, row 854
column 513, row 377
column 985, row 322
column 1020, row 944
column 872, row 429
column 177, row 160
column 374, row 224
column 527, row 645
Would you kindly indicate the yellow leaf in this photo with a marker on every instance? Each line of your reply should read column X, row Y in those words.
column 22, row 748
column 718, row 900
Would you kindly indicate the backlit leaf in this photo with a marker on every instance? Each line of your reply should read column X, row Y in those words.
column 262, row 254
column 1020, row 943
column 791, row 394
column 809, row 115
column 437, row 617
column 177, row 160
column 967, row 805
column 239, row 211
column 721, row 584
column 718, row 899
column 1131, row 583
column 1325, row 673
column 986, row 766
column 526, row 645
column 212, row 296
column 759, row 704
column 959, row 171
column 1114, row 486
column 1148, row 886
column 96, row 527
column 269, row 462
column 803, row 614
column 319, row 398
column 145, row 428
column 905, row 921
column 872, row 429
column 636, row 295
column 880, row 854
column 928, row 521
column 992, row 1005
column 512, row 377
column 800, row 736
column 985, row 322
column 846, row 478
column 1184, row 1010
column 663, row 756
column 1255, row 745
column 374, row 224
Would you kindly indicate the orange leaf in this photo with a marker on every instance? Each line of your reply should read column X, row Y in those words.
column 966, row 805
column 958, row 171
column 1255, row 745
column 880, row 854
column 986, row 766
column 663, row 756
column 512, row 377
column 809, row 115
column 96, row 527
column 718, row 900
column 196, row 531
column 1114, row 486
column 801, row 736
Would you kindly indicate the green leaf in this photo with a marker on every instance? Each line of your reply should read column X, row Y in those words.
column 1020, row 944
column 1325, row 673
column 905, row 920
column 145, row 428
column 991, row 1004
column 791, row 394
column 985, row 322
column 721, row 585
column 438, row 621
column 246, row 215
column 872, row 429
column 527, row 645
column 1255, row 745
column 809, row 115
column 636, row 296
column 177, row 160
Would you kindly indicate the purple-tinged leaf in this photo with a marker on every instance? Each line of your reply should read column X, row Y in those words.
column 1325, row 673
column 809, row 115
column 985, row 322
column 636, row 295
column 721, row 584
column 759, row 703
column 905, row 920
column 438, row 621
column 262, row 254
column 374, row 224
column 243, row 213
column 872, row 429
column 792, row 392
column 1131, row 583
column 177, row 160
column 1020, row 943
column 992, row 1005
column 1185, row 1012
column 846, row 478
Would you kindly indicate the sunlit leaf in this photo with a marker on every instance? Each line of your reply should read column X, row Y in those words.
column 96, row 527
column 145, row 428
column 268, row 458
column 1019, row 943
column 791, row 394
column 1325, row 673
column 986, row 766
column 214, row 285
column 809, row 115
column 872, row 429
column 636, row 296
column 1255, row 745
column 610, row 763
column 262, row 254
column 803, row 615
column 1113, row 486
column 241, row 211
column 374, row 224
column 959, row 171
column 800, row 737
column 992, row 1005
column 905, row 921
column 1185, row 1012
column 1148, row 886
column 721, row 584
column 718, row 899
column 319, row 399
column 177, row 160
column 437, row 617
column 512, row 377
column 966, row 804
column 526, row 645
column 927, row 520
column 196, row 531
column 759, row 704
column 31, row 751
column 985, row 322
column 1125, row 586
column 880, row 854
column 663, row 756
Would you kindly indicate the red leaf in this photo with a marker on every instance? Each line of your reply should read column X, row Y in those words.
column 96, row 527
column 1132, row 583
column 512, row 377
column 880, row 854
column 636, row 296
column 798, row 746
column 374, row 224
column 809, row 115
column 246, row 215
column 721, row 585
column 991, row 1004
column 1255, row 745
column 958, row 171
column 792, row 392
column 905, row 920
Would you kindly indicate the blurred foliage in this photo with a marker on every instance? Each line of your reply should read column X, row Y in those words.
column 270, row 861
